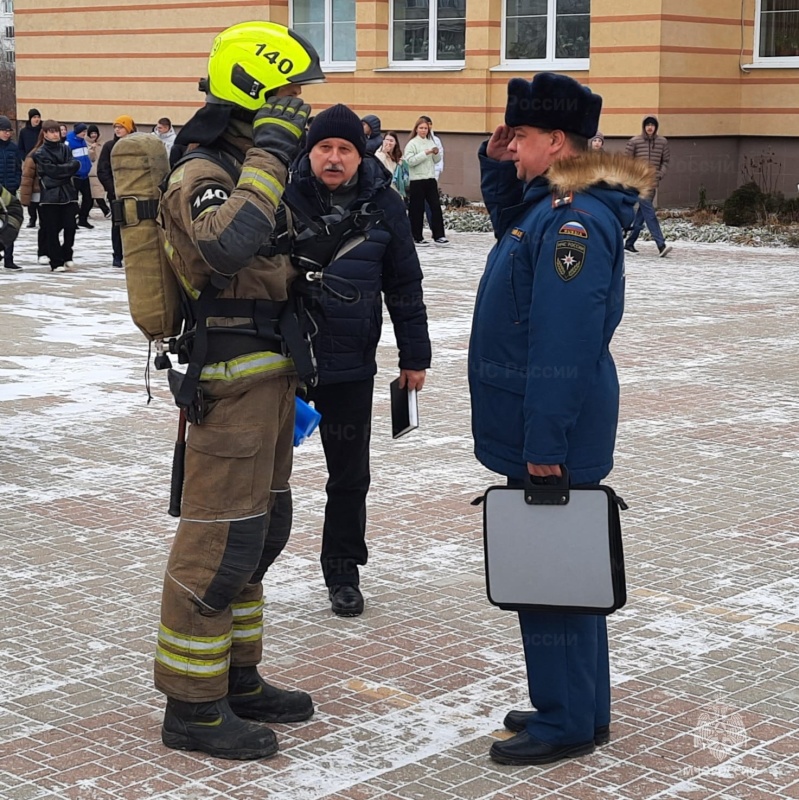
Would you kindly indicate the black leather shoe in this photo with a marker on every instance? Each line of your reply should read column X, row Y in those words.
column 251, row 697
column 346, row 599
column 630, row 248
column 213, row 728
column 522, row 749
column 85, row 224
column 516, row 721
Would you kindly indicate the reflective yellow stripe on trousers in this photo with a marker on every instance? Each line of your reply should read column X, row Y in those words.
column 248, row 621
column 195, row 656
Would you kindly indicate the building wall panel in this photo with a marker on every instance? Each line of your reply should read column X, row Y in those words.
column 680, row 61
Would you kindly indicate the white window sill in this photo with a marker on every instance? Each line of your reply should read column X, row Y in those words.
column 342, row 66
column 416, row 66
column 774, row 63
column 562, row 65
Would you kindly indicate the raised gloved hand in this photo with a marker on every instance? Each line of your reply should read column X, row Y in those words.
column 279, row 125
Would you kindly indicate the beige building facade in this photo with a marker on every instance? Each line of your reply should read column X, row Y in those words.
column 722, row 76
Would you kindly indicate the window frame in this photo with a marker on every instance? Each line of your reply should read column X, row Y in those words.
column 768, row 61
column 327, row 64
column 550, row 62
column 432, row 30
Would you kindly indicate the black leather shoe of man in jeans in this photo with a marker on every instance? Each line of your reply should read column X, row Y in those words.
column 346, row 600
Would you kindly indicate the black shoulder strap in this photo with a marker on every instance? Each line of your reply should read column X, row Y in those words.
column 208, row 154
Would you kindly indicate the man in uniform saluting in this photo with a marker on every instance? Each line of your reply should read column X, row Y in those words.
column 543, row 384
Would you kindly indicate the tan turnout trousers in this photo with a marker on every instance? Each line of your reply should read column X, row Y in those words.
column 211, row 616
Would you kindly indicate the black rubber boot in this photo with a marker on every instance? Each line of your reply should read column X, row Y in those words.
column 213, row 728
column 251, row 697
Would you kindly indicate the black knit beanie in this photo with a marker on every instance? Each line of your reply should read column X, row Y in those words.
column 34, row 112
column 338, row 122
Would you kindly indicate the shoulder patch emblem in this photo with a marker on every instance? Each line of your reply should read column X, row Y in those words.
column 207, row 196
column 573, row 229
column 569, row 259
column 517, row 233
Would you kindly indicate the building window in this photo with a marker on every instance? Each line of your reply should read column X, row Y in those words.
column 330, row 27
column 547, row 32
column 10, row 56
column 778, row 29
column 428, row 31
column 9, row 31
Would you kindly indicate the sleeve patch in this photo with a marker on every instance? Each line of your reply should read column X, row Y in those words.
column 207, row 196
column 573, row 229
column 569, row 259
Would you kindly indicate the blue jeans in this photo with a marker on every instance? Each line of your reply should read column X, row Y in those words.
column 646, row 214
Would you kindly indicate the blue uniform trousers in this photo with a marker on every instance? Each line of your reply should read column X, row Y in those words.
column 568, row 672
column 568, row 675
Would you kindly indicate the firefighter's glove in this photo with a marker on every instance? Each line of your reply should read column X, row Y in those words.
column 279, row 125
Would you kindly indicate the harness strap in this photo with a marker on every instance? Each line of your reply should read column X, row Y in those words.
column 139, row 210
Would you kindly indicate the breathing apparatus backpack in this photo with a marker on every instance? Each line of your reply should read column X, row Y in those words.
column 140, row 163
column 140, row 166
column 158, row 305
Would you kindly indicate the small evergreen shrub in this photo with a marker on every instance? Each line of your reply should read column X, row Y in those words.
column 744, row 206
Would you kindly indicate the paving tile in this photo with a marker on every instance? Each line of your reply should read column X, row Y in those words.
column 411, row 695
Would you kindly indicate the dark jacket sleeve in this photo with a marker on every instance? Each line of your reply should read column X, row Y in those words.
column 665, row 157
column 104, row 174
column 52, row 171
column 499, row 186
column 402, row 287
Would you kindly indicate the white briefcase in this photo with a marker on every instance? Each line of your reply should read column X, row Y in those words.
column 554, row 548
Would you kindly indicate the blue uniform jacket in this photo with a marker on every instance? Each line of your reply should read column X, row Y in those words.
column 385, row 264
column 543, row 383
column 80, row 152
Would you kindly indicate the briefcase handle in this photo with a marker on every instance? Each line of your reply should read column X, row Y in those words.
column 549, row 491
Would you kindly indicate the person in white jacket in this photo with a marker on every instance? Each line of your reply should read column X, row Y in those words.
column 439, row 167
column 165, row 132
column 421, row 155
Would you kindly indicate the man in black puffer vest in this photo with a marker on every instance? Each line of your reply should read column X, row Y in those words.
column 334, row 176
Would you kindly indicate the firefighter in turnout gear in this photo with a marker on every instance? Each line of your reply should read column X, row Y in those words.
column 227, row 237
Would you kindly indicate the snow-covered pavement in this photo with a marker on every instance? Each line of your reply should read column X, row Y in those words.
column 411, row 695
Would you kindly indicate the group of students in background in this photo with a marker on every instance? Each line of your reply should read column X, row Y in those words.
column 415, row 172
column 60, row 175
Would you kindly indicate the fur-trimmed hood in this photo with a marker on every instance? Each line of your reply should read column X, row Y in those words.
column 593, row 169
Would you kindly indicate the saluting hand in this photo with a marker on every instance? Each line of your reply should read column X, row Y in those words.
column 497, row 147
